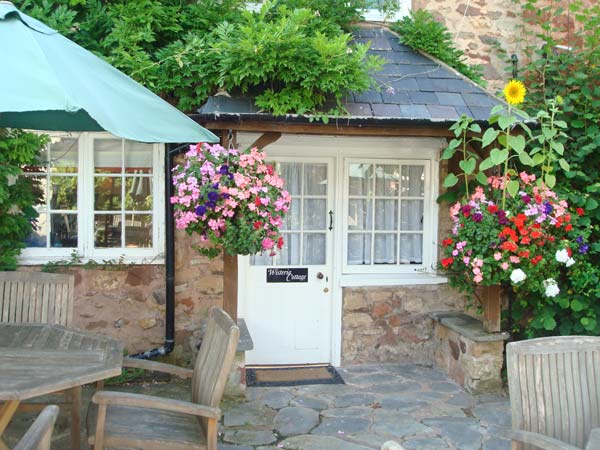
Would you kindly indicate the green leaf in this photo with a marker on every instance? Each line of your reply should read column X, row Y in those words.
column 448, row 153
column 450, row 180
column 512, row 187
column 548, row 323
column 488, row 137
column 588, row 323
column 591, row 204
column 526, row 159
column 475, row 128
column 558, row 147
column 498, row 156
column 486, row 164
column 482, row 178
column 577, row 305
column 550, row 180
column 538, row 159
column 517, row 142
column 564, row 164
column 468, row 166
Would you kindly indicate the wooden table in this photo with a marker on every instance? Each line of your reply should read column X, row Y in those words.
column 39, row 359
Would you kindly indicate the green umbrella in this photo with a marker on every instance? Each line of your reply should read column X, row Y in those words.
column 48, row 82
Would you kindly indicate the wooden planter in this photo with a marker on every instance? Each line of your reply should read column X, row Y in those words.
column 490, row 297
column 230, row 285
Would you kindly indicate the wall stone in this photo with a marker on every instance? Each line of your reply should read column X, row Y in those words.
column 391, row 323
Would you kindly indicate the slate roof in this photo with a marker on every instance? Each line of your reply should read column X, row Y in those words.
column 413, row 89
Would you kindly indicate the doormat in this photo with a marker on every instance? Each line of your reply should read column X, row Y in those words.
column 292, row 376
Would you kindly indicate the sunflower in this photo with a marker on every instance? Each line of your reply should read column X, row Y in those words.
column 514, row 92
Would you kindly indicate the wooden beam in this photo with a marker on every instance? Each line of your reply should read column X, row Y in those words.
column 267, row 138
column 331, row 129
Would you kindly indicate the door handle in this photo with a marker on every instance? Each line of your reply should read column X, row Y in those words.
column 320, row 275
column 330, row 220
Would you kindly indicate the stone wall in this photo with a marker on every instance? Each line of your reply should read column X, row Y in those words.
column 391, row 323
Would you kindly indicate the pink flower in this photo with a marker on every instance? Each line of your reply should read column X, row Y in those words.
column 476, row 270
column 478, row 262
column 497, row 256
column 504, row 266
column 466, row 260
column 267, row 243
column 454, row 252
column 526, row 178
column 478, row 278
column 514, row 259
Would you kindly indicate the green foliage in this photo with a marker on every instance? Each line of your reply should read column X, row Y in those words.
column 573, row 76
column 63, row 265
column 17, row 194
column 421, row 31
column 293, row 55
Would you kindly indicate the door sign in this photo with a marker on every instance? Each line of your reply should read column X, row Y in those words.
column 287, row 275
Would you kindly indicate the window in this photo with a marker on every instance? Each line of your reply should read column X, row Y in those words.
column 101, row 197
column 388, row 216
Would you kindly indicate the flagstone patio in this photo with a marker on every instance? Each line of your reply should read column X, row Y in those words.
column 418, row 406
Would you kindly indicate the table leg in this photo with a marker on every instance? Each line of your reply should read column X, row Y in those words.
column 75, row 394
column 7, row 411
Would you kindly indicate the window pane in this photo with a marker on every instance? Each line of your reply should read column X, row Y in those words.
column 413, row 181
column 315, row 248
column 386, row 215
column 291, row 221
column 138, row 157
column 138, row 230
column 291, row 174
column 108, row 155
column 64, row 156
column 63, row 230
column 63, row 193
column 107, row 193
column 359, row 249
column 290, row 253
column 361, row 179
column 315, row 213
column 138, row 193
column 39, row 186
column 261, row 259
column 107, row 230
column 411, row 249
column 315, row 179
column 412, row 215
column 387, row 179
column 385, row 248
column 38, row 236
column 360, row 214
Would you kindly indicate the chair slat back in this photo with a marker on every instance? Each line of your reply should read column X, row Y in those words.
column 554, row 386
column 36, row 297
column 39, row 434
column 215, row 358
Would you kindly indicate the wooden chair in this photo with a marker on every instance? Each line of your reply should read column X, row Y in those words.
column 36, row 297
column 554, row 386
column 39, row 434
column 135, row 421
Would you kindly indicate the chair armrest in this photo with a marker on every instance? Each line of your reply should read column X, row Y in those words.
column 594, row 440
column 158, row 367
column 146, row 401
column 540, row 441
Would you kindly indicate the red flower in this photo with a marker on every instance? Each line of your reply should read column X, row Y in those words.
column 447, row 242
column 569, row 252
column 579, row 212
column 524, row 254
column 536, row 260
column 525, row 240
column 509, row 246
column 270, row 170
column 257, row 201
column 280, row 242
column 569, row 227
column 536, row 234
column 257, row 224
column 567, row 217
column 510, row 233
column 519, row 220
column 492, row 209
column 447, row 261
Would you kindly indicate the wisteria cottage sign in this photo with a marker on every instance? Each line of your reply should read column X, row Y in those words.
column 295, row 275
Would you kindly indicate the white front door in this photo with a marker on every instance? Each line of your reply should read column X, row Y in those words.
column 288, row 298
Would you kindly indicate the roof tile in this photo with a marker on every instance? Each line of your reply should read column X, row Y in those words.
column 386, row 110
column 415, row 111
column 423, row 98
column 449, row 99
column 359, row 109
column 442, row 112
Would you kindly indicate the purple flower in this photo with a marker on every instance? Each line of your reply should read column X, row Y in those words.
column 579, row 239
column 526, row 199
column 213, row 196
column 200, row 210
column 466, row 210
column 548, row 208
column 502, row 220
column 216, row 186
column 225, row 196
column 223, row 170
column 477, row 217
column 211, row 205
column 230, row 175
column 584, row 248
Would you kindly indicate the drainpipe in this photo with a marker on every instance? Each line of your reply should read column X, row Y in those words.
column 169, row 344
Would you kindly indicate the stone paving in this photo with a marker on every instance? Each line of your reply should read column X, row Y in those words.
column 418, row 406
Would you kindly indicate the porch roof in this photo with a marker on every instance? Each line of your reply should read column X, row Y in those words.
column 412, row 89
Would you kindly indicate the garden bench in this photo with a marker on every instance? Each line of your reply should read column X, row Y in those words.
column 39, row 434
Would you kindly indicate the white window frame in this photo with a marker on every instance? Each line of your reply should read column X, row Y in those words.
column 429, row 218
column 370, row 15
column 85, row 213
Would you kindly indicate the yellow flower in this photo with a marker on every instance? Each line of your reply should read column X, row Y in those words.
column 514, row 92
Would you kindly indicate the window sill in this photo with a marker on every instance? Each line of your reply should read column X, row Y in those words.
column 138, row 260
column 399, row 279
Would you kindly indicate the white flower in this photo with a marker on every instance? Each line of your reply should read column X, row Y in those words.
column 517, row 276
column 562, row 256
column 570, row 262
column 551, row 287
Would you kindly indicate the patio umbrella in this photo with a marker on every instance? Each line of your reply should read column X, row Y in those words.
column 48, row 82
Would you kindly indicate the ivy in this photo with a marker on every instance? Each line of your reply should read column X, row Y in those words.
column 293, row 56
column 421, row 31
column 17, row 194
